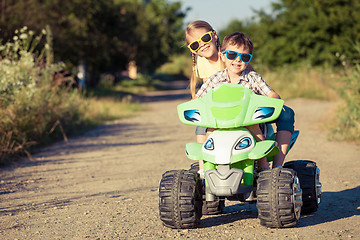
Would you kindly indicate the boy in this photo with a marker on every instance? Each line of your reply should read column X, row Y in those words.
column 237, row 53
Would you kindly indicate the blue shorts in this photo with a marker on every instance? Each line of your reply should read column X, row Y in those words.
column 286, row 120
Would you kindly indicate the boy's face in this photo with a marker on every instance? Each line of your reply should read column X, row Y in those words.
column 235, row 67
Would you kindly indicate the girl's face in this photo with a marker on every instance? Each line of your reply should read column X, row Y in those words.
column 235, row 67
column 207, row 50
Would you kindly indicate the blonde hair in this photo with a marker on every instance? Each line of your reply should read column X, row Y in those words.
column 196, row 25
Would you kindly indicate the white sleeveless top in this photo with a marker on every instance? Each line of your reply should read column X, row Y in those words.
column 204, row 69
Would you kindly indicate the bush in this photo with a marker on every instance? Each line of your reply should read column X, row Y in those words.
column 348, row 117
column 34, row 102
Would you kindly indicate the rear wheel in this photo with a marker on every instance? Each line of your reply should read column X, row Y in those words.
column 309, row 176
column 213, row 207
column 278, row 198
column 180, row 199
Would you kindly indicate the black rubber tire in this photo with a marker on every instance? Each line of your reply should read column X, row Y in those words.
column 308, row 174
column 194, row 167
column 213, row 207
column 276, row 203
column 208, row 207
column 180, row 199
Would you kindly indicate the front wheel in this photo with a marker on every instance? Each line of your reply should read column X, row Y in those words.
column 279, row 198
column 180, row 199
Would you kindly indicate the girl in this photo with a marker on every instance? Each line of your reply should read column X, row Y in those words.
column 204, row 45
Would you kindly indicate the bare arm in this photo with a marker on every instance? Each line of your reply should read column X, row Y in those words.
column 273, row 94
column 256, row 132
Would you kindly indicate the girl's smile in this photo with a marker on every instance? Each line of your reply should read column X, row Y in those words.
column 204, row 48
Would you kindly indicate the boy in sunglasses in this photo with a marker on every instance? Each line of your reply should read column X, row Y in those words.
column 237, row 53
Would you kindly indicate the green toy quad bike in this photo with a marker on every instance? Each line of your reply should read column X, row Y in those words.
column 230, row 154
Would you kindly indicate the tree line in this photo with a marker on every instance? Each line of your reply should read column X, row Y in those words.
column 105, row 35
column 322, row 32
column 108, row 34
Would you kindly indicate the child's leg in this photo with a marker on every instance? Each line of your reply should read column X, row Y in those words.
column 201, row 139
column 285, row 127
column 256, row 132
column 283, row 140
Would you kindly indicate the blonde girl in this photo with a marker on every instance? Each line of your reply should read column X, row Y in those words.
column 204, row 45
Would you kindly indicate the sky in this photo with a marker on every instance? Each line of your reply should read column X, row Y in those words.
column 220, row 15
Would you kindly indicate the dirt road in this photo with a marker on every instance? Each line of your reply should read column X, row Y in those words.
column 103, row 185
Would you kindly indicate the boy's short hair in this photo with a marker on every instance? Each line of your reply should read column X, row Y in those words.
column 238, row 39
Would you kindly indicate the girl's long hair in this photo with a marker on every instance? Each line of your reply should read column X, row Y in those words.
column 196, row 25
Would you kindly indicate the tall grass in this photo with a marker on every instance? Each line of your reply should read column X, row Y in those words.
column 348, row 115
column 302, row 81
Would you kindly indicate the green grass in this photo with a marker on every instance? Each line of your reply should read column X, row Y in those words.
column 107, row 104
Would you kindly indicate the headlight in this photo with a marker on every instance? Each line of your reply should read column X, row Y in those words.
column 209, row 144
column 243, row 143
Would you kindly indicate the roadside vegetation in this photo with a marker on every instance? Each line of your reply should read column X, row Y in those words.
column 39, row 103
column 347, row 126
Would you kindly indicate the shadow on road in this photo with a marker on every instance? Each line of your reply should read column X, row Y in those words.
column 160, row 96
column 92, row 141
column 176, row 90
column 334, row 206
column 231, row 214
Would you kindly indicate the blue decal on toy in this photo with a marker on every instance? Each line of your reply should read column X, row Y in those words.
column 243, row 143
column 192, row 115
column 263, row 112
column 209, row 145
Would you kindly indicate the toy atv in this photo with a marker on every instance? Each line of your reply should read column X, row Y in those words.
column 230, row 154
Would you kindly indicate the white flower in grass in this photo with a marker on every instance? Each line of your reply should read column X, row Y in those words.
column 23, row 36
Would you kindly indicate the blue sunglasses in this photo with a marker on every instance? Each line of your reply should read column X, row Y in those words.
column 232, row 55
